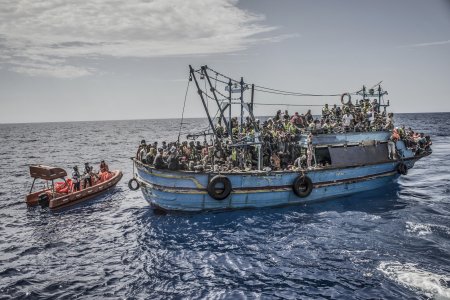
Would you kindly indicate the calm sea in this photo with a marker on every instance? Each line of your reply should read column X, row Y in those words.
column 390, row 243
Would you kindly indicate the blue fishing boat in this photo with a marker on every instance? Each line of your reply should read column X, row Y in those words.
column 344, row 163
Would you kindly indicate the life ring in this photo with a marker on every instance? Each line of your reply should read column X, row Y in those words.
column 135, row 187
column 302, row 186
column 349, row 99
column 219, row 193
column 402, row 169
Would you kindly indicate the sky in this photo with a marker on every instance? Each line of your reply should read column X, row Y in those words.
column 66, row 60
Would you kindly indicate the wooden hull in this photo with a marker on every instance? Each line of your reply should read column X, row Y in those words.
column 64, row 200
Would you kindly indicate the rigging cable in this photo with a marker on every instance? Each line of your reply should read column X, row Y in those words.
column 182, row 114
column 276, row 91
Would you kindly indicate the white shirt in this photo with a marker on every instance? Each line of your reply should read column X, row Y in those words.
column 347, row 119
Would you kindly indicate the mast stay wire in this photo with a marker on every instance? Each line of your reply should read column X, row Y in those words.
column 182, row 114
column 276, row 91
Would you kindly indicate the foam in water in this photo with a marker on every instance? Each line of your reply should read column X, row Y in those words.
column 431, row 284
column 420, row 229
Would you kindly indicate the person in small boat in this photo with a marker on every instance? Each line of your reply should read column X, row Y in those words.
column 87, row 175
column 103, row 167
column 76, row 179
column 159, row 162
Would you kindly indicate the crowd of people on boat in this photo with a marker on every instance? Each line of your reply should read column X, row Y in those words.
column 87, row 176
column 278, row 140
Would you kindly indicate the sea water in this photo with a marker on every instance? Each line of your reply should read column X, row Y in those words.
column 388, row 243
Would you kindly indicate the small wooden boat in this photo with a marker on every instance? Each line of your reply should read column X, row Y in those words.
column 59, row 194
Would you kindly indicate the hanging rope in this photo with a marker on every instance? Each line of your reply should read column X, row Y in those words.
column 182, row 114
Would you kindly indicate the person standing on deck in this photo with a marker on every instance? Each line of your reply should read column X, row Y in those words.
column 142, row 145
column 309, row 151
column 159, row 162
column 87, row 175
column 75, row 179
column 325, row 111
column 308, row 116
column 391, row 144
column 347, row 121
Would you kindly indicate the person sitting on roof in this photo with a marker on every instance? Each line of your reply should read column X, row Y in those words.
column 325, row 111
column 277, row 116
column 308, row 116
column 297, row 121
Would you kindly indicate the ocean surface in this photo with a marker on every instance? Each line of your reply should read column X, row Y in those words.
column 392, row 243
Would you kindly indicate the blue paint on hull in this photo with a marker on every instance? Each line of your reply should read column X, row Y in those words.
column 186, row 191
column 198, row 202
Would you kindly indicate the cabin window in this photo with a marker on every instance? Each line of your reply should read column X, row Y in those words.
column 323, row 157
column 359, row 155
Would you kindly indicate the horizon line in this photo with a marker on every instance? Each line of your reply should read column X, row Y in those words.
column 110, row 120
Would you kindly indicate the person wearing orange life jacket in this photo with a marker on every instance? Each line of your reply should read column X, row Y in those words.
column 104, row 173
column 103, row 167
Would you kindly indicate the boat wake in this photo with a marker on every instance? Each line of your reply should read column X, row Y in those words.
column 432, row 285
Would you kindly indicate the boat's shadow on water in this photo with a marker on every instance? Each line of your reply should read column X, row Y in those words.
column 49, row 225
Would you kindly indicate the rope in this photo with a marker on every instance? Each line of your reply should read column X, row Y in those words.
column 286, row 104
column 275, row 91
column 182, row 114
column 287, row 93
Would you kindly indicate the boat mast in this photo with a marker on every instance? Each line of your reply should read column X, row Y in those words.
column 252, row 98
column 213, row 90
column 242, row 104
column 229, row 111
column 200, row 92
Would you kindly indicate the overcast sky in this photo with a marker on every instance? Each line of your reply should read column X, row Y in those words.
column 66, row 60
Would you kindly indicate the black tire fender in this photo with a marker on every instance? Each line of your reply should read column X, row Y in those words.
column 133, row 187
column 302, row 186
column 402, row 169
column 349, row 99
column 219, row 193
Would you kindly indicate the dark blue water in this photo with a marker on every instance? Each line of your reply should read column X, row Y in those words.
column 390, row 243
